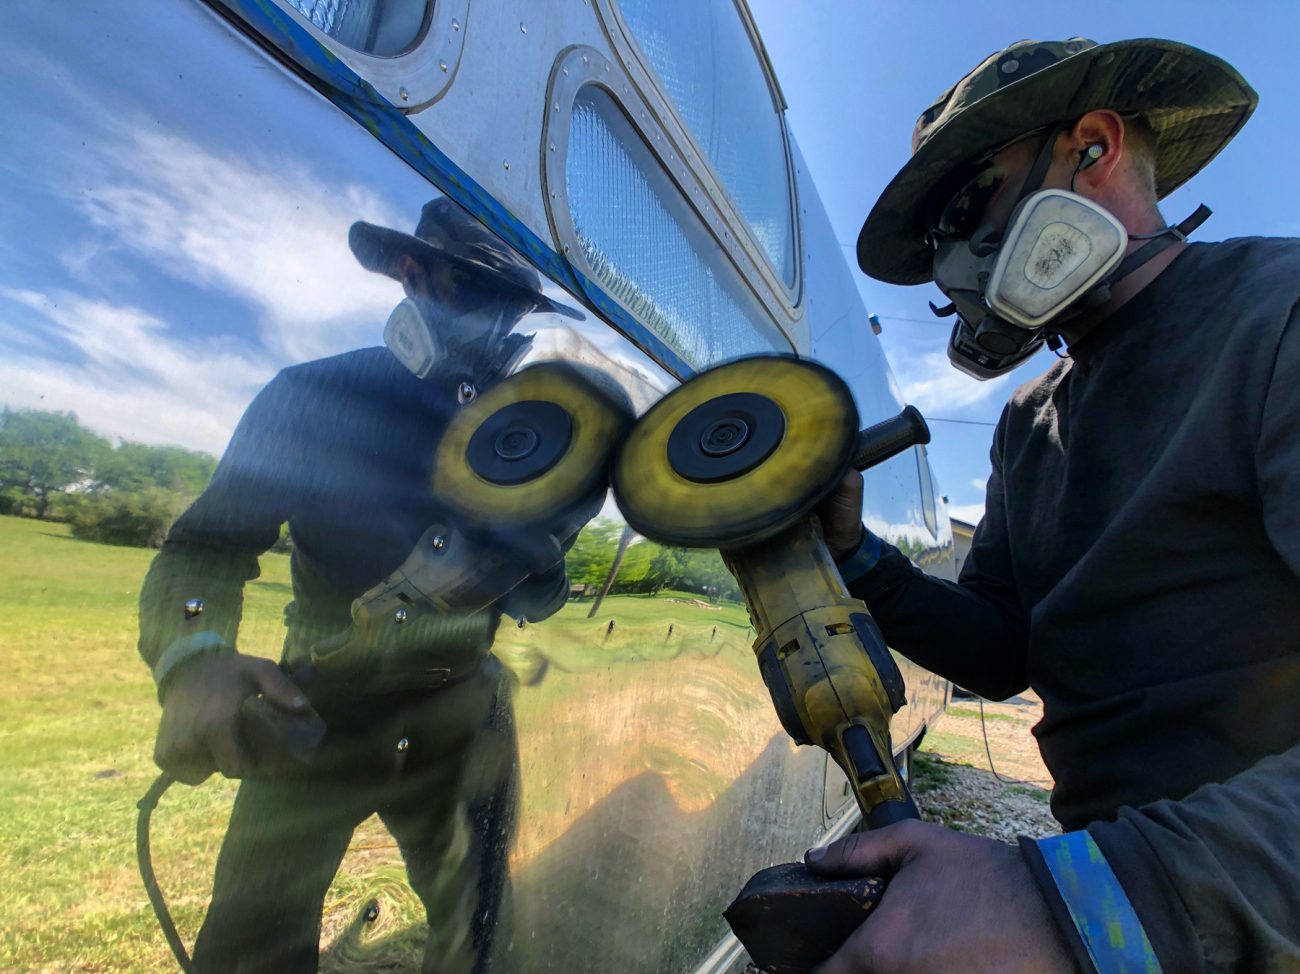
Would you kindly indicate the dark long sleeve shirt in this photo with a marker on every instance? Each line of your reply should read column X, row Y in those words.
column 1138, row 566
column 343, row 450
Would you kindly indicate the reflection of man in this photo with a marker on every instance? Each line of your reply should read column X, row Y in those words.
column 1138, row 558
column 342, row 449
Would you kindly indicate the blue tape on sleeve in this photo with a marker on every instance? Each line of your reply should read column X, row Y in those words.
column 862, row 560
column 1101, row 911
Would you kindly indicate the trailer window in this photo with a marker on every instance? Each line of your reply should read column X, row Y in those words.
column 380, row 28
column 710, row 69
column 647, row 247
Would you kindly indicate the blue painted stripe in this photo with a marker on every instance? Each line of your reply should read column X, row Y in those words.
column 358, row 99
column 1101, row 911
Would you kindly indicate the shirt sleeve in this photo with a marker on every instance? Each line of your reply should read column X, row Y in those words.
column 1215, row 877
column 192, row 597
column 973, row 632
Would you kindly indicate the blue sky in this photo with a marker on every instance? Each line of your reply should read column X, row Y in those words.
column 856, row 75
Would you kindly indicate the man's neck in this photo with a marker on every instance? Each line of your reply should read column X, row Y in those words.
column 1124, row 290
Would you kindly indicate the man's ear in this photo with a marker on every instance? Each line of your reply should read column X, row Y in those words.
column 412, row 274
column 1095, row 146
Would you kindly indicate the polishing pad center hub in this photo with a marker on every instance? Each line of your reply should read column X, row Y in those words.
column 725, row 437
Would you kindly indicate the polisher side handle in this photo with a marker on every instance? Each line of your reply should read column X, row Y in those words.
column 889, row 437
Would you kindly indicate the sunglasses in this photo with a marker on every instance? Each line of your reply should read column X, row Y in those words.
column 961, row 215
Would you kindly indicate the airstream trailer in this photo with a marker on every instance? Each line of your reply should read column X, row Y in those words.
column 268, row 229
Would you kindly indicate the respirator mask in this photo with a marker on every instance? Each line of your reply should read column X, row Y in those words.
column 1060, row 255
column 431, row 340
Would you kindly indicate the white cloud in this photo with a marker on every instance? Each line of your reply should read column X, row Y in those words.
column 981, row 484
column 931, row 384
column 135, row 381
column 970, row 513
column 268, row 230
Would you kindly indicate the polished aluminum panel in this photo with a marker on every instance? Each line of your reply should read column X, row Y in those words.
column 176, row 236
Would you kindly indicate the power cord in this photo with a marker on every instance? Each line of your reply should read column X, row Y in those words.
column 988, row 751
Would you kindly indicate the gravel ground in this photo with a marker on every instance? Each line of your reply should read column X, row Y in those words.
column 953, row 783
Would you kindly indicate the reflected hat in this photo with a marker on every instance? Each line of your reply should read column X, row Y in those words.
column 446, row 232
column 1194, row 102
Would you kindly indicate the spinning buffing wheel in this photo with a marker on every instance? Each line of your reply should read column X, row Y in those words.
column 737, row 454
column 530, row 448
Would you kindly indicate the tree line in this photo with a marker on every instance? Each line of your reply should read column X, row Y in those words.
column 53, row 468
column 647, row 567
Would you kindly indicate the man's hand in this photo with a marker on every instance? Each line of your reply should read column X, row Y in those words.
column 841, row 516
column 954, row 903
column 199, row 731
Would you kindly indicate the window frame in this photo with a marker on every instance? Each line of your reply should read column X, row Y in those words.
column 782, row 297
column 578, row 67
column 416, row 78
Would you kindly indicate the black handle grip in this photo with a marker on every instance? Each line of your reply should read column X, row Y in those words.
column 890, row 437
column 887, row 813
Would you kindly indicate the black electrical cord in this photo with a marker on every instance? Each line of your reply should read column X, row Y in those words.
column 146, row 805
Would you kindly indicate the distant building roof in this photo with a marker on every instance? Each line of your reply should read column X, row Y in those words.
column 963, row 528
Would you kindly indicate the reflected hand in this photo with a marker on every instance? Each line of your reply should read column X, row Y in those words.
column 841, row 516
column 954, row 902
column 199, row 730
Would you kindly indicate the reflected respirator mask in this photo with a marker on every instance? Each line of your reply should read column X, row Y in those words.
column 1060, row 255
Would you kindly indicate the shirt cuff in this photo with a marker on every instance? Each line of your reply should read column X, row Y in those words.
column 861, row 560
column 1090, row 905
column 181, row 651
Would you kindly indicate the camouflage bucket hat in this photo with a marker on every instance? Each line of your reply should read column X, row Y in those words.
column 446, row 232
column 1193, row 101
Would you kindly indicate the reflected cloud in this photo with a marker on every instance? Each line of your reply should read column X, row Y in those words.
column 269, row 231
column 128, row 377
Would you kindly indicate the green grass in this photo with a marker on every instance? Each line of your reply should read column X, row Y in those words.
column 78, row 717
column 972, row 713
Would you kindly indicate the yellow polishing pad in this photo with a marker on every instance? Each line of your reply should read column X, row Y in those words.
column 736, row 454
column 530, row 447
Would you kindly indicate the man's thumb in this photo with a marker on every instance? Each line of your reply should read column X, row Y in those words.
column 877, row 853
column 279, row 690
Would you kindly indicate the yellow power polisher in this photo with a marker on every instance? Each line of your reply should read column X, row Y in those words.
column 738, row 458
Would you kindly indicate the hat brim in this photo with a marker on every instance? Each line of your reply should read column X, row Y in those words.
column 1194, row 101
column 379, row 249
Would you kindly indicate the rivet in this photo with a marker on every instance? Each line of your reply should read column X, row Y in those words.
column 584, row 59
column 438, row 542
column 565, row 71
column 193, row 608
column 522, row 28
column 552, row 146
column 399, row 616
column 1009, row 67
column 403, row 744
column 506, row 163
column 466, row 392
column 555, row 106
column 443, row 65
column 455, row 24
column 404, row 93
column 566, row 248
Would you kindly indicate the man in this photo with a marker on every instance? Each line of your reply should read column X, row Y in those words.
column 419, row 732
column 1138, row 564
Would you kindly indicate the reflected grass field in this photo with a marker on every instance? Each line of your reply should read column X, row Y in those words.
column 78, row 716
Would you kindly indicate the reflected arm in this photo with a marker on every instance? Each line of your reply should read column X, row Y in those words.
column 212, row 549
